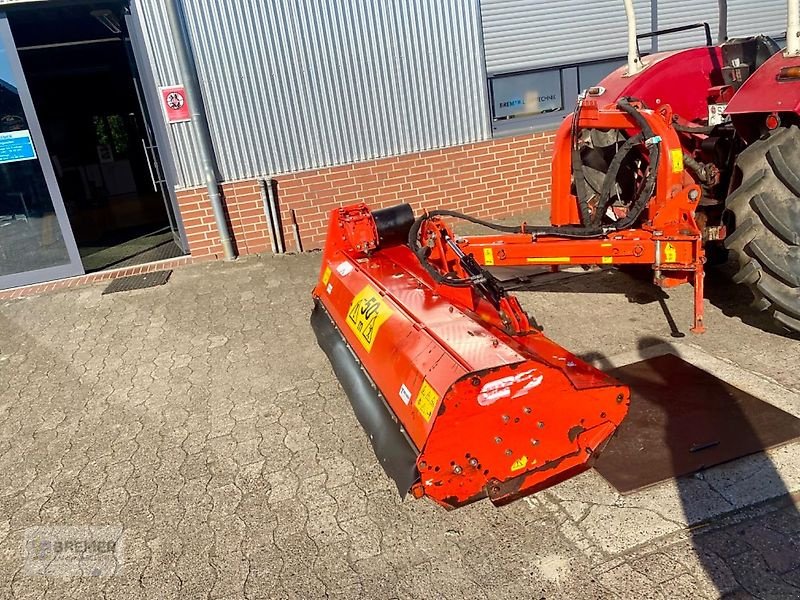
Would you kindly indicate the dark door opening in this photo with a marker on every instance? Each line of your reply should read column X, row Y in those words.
column 79, row 67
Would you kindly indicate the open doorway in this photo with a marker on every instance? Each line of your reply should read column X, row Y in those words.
column 79, row 66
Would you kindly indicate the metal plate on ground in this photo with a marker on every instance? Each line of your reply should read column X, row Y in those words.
column 138, row 282
column 682, row 419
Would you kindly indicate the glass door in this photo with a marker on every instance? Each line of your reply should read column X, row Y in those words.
column 36, row 242
column 154, row 133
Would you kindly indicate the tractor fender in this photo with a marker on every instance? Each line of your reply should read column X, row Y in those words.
column 762, row 92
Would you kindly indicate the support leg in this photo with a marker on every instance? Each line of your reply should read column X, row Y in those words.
column 699, row 276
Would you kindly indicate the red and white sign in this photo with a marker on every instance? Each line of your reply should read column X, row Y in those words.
column 175, row 103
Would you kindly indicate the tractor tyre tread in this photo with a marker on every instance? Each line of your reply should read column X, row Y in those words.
column 783, row 171
column 788, row 322
column 742, row 235
column 781, row 217
column 766, row 211
column 749, row 273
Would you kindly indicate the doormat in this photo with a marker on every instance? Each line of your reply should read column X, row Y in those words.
column 682, row 420
column 138, row 282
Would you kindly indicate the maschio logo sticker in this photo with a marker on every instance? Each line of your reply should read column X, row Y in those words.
column 367, row 313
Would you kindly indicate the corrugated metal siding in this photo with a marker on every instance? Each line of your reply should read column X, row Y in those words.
column 528, row 34
column 745, row 17
column 676, row 13
column 161, row 49
column 300, row 84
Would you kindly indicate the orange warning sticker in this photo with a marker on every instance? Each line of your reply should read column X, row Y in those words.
column 426, row 401
column 367, row 313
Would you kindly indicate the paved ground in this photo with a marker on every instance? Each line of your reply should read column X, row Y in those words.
column 202, row 419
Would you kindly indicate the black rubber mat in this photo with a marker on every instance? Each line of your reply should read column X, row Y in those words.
column 138, row 282
column 682, row 420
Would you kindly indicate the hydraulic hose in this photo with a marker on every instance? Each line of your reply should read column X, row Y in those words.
column 654, row 143
column 581, row 187
column 696, row 167
column 610, row 179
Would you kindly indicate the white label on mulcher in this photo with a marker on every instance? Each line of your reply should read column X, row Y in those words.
column 405, row 394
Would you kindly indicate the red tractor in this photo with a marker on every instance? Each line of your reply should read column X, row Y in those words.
column 669, row 162
column 736, row 108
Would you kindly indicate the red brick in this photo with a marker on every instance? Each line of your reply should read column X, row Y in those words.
column 492, row 178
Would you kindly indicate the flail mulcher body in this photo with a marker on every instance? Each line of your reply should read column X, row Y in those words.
column 461, row 395
column 456, row 407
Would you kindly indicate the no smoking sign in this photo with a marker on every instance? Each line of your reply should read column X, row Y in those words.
column 175, row 104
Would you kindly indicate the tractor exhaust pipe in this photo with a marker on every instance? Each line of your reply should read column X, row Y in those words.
column 793, row 28
column 634, row 61
column 722, row 32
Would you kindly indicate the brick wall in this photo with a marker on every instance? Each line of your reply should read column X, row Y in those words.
column 492, row 179
column 246, row 216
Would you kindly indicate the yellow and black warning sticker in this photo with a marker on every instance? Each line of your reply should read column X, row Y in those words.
column 488, row 257
column 677, row 160
column 326, row 276
column 426, row 401
column 606, row 260
column 520, row 463
column 670, row 253
column 367, row 313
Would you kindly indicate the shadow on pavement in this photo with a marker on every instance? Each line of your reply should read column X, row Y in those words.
column 743, row 522
column 635, row 283
column 736, row 301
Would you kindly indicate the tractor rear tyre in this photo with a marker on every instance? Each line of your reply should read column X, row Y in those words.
column 766, row 239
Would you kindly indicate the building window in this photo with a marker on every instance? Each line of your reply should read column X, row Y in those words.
column 526, row 94
column 538, row 100
column 531, row 100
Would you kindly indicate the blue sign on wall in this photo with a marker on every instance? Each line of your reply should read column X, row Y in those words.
column 16, row 146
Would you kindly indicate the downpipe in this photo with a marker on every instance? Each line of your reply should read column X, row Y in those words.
column 270, row 201
column 205, row 147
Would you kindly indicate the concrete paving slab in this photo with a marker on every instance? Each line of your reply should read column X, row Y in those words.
column 202, row 417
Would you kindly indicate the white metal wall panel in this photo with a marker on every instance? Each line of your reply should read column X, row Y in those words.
column 528, row 34
column 676, row 13
column 158, row 39
column 300, row 84
column 745, row 17
column 749, row 17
